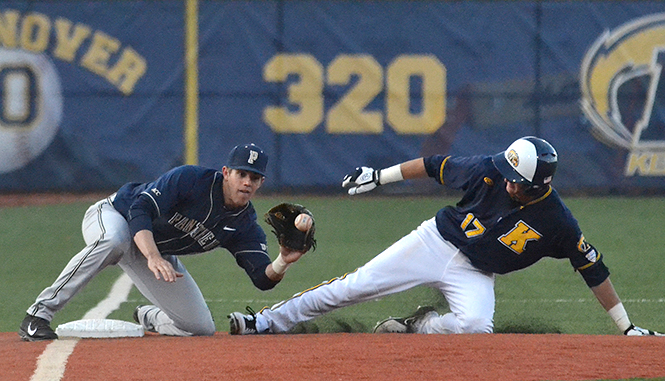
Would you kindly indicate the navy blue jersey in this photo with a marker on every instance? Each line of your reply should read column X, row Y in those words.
column 184, row 209
column 500, row 235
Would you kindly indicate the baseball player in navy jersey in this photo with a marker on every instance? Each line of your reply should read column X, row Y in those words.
column 144, row 228
column 508, row 218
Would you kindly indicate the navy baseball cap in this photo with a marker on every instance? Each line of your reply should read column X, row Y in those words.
column 248, row 157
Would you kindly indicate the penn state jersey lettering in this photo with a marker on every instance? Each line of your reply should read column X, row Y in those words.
column 205, row 238
column 498, row 234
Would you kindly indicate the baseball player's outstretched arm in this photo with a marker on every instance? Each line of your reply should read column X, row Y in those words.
column 606, row 295
column 608, row 298
column 162, row 268
column 364, row 179
column 413, row 169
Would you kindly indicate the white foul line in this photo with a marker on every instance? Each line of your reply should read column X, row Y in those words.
column 51, row 363
column 580, row 300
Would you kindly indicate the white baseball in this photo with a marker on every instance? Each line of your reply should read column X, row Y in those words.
column 303, row 222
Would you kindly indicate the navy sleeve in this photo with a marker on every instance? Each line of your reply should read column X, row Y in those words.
column 434, row 166
column 584, row 257
column 595, row 274
column 589, row 262
column 249, row 247
column 454, row 171
column 255, row 263
column 160, row 196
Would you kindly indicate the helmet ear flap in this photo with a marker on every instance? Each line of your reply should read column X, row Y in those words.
column 547, row 161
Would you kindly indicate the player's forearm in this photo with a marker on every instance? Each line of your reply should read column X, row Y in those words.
column 145, row 241
column 606, row 294
column 608, row 298
column 413, row 169
column 276, row 270
column 273, row 275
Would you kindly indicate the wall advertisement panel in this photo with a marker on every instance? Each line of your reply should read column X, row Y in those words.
column 93, row 93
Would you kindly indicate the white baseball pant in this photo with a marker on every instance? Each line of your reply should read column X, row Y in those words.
column 182, row 311
column 422, row 257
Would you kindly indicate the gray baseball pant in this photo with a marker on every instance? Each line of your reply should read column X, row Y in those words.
column 182, row 309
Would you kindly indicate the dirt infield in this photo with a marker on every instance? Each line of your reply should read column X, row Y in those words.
column 345, row 356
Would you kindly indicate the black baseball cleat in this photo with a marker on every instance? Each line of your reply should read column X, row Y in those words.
column 34, row 328
column 241, row 324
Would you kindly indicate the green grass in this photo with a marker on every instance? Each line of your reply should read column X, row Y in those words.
column 549, row 297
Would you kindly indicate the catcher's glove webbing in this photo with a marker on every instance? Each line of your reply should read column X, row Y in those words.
column 282, row 218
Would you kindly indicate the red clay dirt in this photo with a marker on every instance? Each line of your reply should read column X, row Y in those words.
column 348, row 356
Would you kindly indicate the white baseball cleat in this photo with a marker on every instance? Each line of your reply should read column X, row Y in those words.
column 409, row 324
column 390, row 325
column 637, row 331
column 241, row 324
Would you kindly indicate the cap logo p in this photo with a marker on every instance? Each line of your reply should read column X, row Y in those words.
column 253, row 155
column 513, row 158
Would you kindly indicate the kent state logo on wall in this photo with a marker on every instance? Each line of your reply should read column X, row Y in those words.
column 623, row 92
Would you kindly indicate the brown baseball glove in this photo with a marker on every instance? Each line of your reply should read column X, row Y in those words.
column 282, row 218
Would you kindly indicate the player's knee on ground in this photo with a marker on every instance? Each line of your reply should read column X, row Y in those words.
column 173, row 329
column 202, row 327
column 181, row 324
column 205, row 331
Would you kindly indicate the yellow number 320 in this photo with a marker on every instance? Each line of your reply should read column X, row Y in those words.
column 304, row 110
